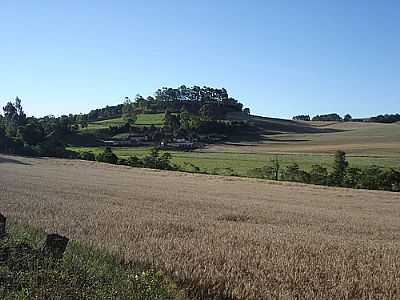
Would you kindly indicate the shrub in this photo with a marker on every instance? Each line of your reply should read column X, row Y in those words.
column 87, row 155
column 265, row 172
column 134, row 161
column 293, row 173
column 107, row 156
column 353, row 177
column 319, row 175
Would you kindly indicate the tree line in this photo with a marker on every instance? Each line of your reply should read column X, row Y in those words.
column 32, row 136
column 387, row 118
column 342, row 174
column 153, row 160
column 334, row 117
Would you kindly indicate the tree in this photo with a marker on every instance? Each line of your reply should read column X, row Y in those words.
column 276, row 165
column 302, row 118
column 32, row 133
column 339, row 168
column 329, row 117
column 353, row 177
column 107, row 156
column 347, row 118
column 319, row 175
column 292, row 172
column 185, row 120
column 128, row 111
column 171, row 121
column 84, row 124
column 87, row 155
column 246, row 111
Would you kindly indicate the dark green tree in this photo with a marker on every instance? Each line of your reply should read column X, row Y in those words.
column 276, row 166
column 128, row 111
column 339, row 168
column 107, row 156
column 347, row 118
column 32, row 133
column 319, row 175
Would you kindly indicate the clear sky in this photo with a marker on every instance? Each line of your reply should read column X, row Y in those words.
column 280, row 58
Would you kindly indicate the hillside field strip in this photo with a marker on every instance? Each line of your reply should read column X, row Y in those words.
column 238, row 238
column 365, row 143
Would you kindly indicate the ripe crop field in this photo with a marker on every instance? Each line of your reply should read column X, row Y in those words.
column 233, row 237
column 372, row 139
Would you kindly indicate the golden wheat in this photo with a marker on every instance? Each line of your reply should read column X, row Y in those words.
column 238, row 238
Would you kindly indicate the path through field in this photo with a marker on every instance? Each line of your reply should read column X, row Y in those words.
column 245, row 238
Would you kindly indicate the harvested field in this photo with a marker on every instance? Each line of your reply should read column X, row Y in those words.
column 241, row 238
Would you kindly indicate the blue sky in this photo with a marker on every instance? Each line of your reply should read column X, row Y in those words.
column 280, row 58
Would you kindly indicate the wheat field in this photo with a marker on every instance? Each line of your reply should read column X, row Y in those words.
column 235, row 238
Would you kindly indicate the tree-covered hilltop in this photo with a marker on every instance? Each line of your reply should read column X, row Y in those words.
column 188, row 113
column 195, row 100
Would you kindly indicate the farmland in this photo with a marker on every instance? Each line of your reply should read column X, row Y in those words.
column 142, row 119
column 233, row 237
column 365, row 143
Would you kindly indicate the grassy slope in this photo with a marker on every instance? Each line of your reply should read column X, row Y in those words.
column 99, row 130
column 83, row 273
column 142, row 119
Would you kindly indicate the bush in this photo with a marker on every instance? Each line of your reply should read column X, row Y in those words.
column 87, row 155
column 372, row 177
column 107, row 156
column 153, row 160
column 134, row 161
column 319, row 175
column 265, row 172
column 293, row 173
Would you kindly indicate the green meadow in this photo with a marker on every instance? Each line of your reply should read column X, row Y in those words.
column 240, row 163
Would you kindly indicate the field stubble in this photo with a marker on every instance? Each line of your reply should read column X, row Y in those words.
column 241, row 238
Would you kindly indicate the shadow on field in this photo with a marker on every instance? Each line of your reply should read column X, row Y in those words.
column 12, row 161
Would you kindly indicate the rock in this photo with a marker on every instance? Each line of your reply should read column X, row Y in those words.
column 55, row 246
column 2, row 225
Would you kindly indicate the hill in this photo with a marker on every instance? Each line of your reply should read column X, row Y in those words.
column 214, row 233
column 269, row 126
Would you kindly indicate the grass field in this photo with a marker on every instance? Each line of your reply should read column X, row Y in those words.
column 365, row 143
column 235, row 237
column 142, row 119
column 225, row 163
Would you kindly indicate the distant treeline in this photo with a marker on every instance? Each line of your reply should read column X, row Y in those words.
column 328, row 117
column 191, row 99
column 387, row 118
column 342, row 175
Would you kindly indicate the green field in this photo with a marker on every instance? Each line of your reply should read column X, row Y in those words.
column 365, row 143
column 240, row 163
column 142, row 119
